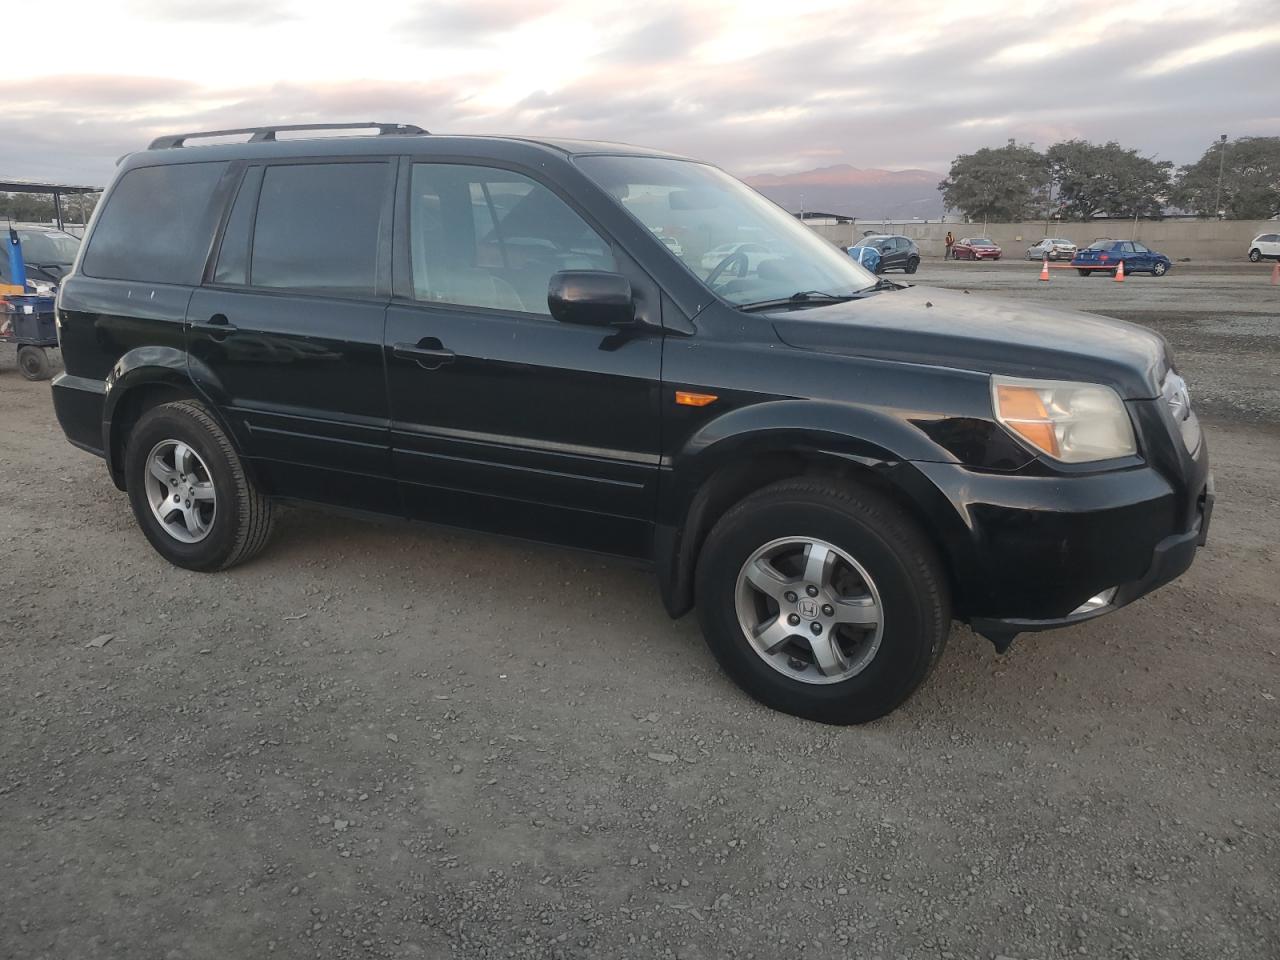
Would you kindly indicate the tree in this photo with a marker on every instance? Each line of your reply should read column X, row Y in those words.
column 1108, row 179
column 1005, row 183
column 38, row 208
column 1250, row 169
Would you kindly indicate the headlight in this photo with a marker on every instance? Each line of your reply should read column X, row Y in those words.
column 1071, row 422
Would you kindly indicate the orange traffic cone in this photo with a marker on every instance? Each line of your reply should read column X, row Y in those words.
column 1275, row 274
column 1120, row 272
column 1044, row 268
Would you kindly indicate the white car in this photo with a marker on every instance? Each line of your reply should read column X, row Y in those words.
column 1055, row 248
column 1265, row 246
column 672, row 244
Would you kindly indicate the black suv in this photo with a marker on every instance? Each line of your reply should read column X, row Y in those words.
column 495, row 333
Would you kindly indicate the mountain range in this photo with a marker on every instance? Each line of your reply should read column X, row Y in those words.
column 869, row 194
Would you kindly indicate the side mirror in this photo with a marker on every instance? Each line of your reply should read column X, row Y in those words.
column 596, row 298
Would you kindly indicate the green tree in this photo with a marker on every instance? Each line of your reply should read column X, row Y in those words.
column 1094, row 179
column 1004, row 183
column 1250, row 180
column 38, row 208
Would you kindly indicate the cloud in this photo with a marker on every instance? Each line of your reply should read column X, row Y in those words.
column 754, row 85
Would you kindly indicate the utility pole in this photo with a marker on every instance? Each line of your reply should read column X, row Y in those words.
column 1222, row 156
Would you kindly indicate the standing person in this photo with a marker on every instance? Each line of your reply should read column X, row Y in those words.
column 949, row 242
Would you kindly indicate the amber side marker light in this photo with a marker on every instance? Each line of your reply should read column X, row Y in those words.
column 686, row 399
column 1022, row 410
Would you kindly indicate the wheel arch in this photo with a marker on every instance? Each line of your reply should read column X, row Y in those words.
column 140, row 380
column 719, row 479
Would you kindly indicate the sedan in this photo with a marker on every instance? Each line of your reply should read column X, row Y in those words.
column 752, row 253
column 1265, row 246
column 975, row 248
column 1051, row 248
column 1106, row 255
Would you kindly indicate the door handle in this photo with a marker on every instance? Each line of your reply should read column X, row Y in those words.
column 217, row 327
column 428, row 353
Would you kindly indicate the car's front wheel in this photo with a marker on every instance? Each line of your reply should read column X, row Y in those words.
column 913, row 264
column 189, row 491
column 823, row 600
column 1255, row 255
column 1160, row 268
column 1083, row 273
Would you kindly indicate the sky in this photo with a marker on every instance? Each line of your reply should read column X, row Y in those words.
column 756, row 87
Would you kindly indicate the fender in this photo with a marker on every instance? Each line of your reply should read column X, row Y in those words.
column 790, row 434
column 151, row 366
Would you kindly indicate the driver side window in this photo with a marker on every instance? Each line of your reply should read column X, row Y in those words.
column 485, row 237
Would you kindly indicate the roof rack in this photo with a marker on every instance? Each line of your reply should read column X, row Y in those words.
column 268, row 134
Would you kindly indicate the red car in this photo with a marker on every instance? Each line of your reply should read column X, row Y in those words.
column 975, row 248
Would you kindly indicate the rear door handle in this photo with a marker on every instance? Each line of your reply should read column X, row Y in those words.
column 217, row 327
column 428, row 353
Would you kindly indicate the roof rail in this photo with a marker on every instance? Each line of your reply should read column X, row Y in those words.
column 268, row 134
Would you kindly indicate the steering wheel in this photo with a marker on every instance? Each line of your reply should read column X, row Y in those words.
column 738, row 258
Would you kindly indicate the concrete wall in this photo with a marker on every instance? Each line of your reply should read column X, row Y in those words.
column 1176, row 239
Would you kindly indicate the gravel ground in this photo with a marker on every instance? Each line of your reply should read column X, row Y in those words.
column 381, row 740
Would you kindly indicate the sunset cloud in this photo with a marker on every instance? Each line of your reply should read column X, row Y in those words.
column 753, row 86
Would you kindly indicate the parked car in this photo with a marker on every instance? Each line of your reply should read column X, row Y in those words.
column 975, row 248
column 832, row 467
column 866, row 256
column 896, row 252
column 48, row 254
column 1265, row 246
column 672, row 244
column 1052, row 248
column 1106, row 255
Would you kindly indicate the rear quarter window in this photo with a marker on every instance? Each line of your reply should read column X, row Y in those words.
column 156, row 225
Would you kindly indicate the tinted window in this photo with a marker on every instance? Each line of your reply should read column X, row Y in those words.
column 156, row 225
column 233, row 257
column 318, row 227
column 484, row 237
column 48, row 246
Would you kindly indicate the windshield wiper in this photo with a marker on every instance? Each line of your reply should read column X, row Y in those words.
column 801, row 298
column 883, row 284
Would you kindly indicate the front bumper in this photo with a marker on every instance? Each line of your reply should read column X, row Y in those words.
column 1033, row 550
column 1170, row 559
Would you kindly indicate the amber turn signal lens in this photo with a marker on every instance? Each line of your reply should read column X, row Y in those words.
column 1022, row 410
column 686, row 399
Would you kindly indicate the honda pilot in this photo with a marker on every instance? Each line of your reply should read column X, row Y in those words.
column 500, row 334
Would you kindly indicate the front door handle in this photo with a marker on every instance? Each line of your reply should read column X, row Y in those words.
column 428, row 353
column 217, row 327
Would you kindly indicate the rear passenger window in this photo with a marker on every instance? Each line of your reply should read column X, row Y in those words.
column 156, row 226
column 492, row 238
column 318, row 228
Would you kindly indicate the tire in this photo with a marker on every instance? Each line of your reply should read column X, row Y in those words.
column 913, row 264
column 1083, row 273
column 1159, row 269
column 33, row 362
column 902, row 576
column 236, row 525
column 1255, row 255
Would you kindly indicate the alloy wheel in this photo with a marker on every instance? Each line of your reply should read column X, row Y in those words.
column 809, row 610
column 180, row 491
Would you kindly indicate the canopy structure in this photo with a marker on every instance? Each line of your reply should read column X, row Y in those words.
column 57, row 190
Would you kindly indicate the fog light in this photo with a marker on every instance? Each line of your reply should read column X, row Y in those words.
column 1103, row 599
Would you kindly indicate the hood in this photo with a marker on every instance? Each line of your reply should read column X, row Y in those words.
column 949, row 328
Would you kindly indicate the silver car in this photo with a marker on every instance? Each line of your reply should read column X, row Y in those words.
column 1054, row 248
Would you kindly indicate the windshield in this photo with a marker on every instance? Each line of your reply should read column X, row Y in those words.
column 981, row 242
column 743, row 247
column 875, row 243
column 48, row 246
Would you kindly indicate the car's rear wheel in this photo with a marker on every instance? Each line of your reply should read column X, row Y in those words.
column 823, row 600
column 1255, row 255
column 1160, row 268
column 913, row 264
column 1083, row 273
column 189, row 491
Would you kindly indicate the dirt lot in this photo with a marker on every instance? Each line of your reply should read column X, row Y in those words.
column 390, row 741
